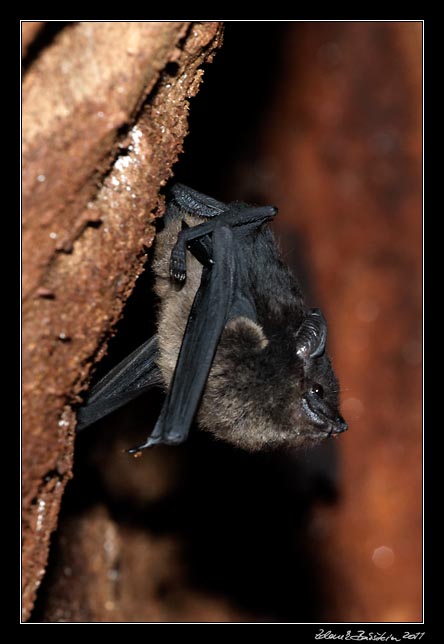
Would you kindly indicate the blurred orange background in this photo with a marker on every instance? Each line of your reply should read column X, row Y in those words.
column 347, row 147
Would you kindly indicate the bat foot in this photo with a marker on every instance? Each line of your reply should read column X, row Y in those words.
column 178, row 275
column 178, row 262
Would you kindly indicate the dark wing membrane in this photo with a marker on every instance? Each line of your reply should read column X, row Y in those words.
column 206, row 322
column 137, row 373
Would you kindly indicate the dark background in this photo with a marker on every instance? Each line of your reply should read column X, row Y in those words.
column 322, row 120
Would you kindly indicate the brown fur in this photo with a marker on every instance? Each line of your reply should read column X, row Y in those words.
column 252, row 397
column 238, row 421
column 270, row 382
column 176, row 302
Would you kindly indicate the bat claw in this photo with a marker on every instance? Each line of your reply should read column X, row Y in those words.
column 178, row 263
column 175, row 439
column 151, row 442
column 178, row 275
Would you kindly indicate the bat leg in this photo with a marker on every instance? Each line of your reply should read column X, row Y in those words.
column 247, row 218
column 206, row 321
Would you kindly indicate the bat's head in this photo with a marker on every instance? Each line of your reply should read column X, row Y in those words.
column 271, row 392
column 316, row 414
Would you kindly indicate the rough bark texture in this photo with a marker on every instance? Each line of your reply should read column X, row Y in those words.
column 105, row 110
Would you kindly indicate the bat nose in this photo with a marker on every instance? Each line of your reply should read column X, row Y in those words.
column 339, row 426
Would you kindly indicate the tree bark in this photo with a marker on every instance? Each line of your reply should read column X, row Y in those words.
column 105, row 109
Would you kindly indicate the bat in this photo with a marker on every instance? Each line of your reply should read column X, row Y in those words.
column 236, row 347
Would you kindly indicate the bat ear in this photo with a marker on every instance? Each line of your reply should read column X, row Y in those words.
column 312, row 335
column 249, row 331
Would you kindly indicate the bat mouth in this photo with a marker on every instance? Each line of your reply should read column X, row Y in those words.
column 320, row 414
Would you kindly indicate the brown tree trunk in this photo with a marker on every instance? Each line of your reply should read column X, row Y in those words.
column 105, row 109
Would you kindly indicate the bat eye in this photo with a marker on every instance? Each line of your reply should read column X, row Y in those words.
column 318, row 390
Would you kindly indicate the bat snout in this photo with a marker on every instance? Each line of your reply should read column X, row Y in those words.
column 339, row 426
column 322, row 416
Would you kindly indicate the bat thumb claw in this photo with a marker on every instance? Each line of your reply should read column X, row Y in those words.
column 149, row 443
column 174, row 439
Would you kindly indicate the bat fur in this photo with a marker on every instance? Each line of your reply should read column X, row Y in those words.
column 263, row 379
column 253, row 393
